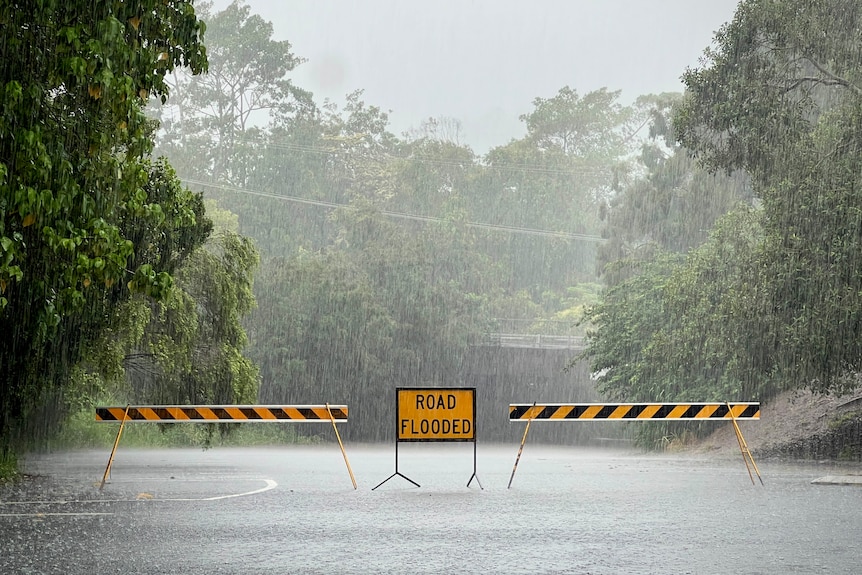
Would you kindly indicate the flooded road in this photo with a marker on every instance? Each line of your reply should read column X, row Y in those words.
column 294, row 510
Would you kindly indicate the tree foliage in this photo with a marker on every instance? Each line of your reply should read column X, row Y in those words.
column 588, row 127
column 73, row 143
column 323, row 334
column 384, row 257
column 780, row 96
column 772, row 72
column 771, row 300
column 214, row 129
column 682, row 327
column 193, row 348
column 675, row 203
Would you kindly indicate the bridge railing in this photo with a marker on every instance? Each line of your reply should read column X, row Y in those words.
column 534, row 341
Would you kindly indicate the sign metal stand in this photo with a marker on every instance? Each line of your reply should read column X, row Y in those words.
column 397, row 473
column 435, row 414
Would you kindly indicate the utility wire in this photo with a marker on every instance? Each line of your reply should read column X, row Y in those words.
column 400, row 215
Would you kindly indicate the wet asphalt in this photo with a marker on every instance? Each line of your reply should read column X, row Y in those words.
column 294, row 510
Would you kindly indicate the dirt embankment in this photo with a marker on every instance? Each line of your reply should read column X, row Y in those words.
column 798, row 425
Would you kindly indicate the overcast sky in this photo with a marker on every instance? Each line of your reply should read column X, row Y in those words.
column 483, row 61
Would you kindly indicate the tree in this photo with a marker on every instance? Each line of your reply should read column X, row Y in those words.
column 589, row 127
column 555, row 175
column 322, row 334
column 687, row 327
column 675, row 203
column 73, row 138
column 555, row 178
column 780, row 96
column 629, row 317
column 384, row 306
column 432, row 173
column 192, row 350
column 215, row 128
column 165, row 244
column 773, row 71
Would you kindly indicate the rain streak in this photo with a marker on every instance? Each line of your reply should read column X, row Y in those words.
column 615, row 247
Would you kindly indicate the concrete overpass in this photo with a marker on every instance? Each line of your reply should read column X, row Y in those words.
column 521, row 368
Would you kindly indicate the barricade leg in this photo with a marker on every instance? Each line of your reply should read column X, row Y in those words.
column 114, row 449
column 743, row 448
column 520, row 450
column 340, row 444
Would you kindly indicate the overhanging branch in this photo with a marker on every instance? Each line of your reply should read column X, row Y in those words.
column 833, row 79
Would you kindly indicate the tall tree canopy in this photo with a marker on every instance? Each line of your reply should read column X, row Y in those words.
column 216, row 126
column 772, row 300
column 382, row 257
column 780, row 95
column 74, row 76
column 681, row 327
column 674, row 204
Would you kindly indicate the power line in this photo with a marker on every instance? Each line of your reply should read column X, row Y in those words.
column 400, row 215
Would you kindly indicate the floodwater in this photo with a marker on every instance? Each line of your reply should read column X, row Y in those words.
column 294, row 510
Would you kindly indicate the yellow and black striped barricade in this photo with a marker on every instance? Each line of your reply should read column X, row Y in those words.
column 726, row 411
column 633, row 411
column 223, row 414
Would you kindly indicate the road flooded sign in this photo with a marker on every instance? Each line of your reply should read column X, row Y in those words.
column 436, row 414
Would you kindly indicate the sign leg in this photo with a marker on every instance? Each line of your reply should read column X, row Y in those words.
column 474, row 476
column 393, row 475
column 397, row 473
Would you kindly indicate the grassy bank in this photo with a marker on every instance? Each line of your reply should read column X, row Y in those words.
column 8, row 465
column 82, row 431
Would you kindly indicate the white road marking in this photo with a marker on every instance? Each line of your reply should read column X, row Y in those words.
column 38, row 515
column 270, row 484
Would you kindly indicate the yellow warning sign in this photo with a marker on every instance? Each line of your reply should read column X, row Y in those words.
column 436, row 414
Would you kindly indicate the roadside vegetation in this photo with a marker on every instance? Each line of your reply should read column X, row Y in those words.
column 183, row 224
column 81, row 431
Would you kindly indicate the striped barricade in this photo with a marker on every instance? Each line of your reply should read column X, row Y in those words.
column 726, row 411
column 633, row 411
column 223, row 414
